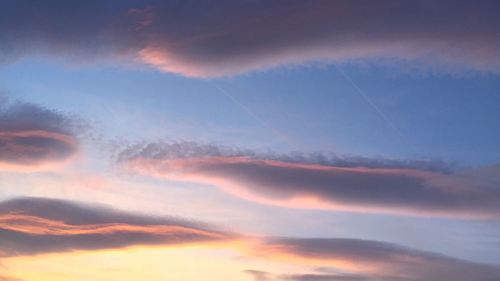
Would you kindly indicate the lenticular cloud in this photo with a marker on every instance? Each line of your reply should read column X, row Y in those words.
column 360, row 186
column 32, row 137
column 216, row 38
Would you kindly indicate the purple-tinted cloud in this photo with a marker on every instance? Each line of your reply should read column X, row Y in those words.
column 213, row 38
column 30, row 226
column 386, row 188
column 365, row 260
column 32, row 137
column 34, row 225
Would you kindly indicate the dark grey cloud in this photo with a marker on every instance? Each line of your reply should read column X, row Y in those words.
column 34, row 225
column 212, row 38
column 395, row 187
column 374, row 261
column 31, row 135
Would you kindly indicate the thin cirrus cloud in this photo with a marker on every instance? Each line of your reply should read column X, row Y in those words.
column 366, row 260
column 33, row 137
column 362, row 185
column 31, row 226
column 216, row 38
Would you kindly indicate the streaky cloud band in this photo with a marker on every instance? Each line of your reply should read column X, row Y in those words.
column 386, row 188
column 36, row 225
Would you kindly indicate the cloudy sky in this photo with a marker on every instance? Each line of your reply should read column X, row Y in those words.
column 249, row 140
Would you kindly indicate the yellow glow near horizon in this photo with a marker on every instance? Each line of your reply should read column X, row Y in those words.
column 131, row 264
column 184, row 263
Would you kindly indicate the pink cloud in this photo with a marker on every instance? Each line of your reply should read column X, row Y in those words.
column 210, row 39
column 366, row 186
column 34, row 138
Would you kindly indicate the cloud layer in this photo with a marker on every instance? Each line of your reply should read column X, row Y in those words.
column 33, row 225
column 365, row 188
column 32, row 137
column 214, row 38
column 365, row 260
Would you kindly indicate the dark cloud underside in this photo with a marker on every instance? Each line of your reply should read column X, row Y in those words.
column 31, row 135
column 378, row 186
column 213, row 38
column 372, row 261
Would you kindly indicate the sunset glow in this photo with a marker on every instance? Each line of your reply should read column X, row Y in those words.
column 249, row 140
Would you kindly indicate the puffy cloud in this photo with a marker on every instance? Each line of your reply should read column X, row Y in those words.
column 35, row 225
column 365, row 260
column 349, row 186
column 33, row 137
column 213, row 38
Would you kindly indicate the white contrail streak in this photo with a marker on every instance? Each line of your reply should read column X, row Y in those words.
column 253, row 115
column 380, row 113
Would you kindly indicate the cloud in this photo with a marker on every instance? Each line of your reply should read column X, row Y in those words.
column 32, row 137
column 366, row 260
column 266, row 276
column 331, row 277
column 30, row 226
column 259, row 275
column 215, row 38
column 34, row 225
column 349, row 186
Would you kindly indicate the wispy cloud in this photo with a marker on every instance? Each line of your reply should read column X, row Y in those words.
column 35, row 225
column 214, row 38
column 33, row 137
column 357, row 185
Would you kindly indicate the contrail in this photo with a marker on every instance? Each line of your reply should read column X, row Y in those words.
column 380, row 113
column 253, row 115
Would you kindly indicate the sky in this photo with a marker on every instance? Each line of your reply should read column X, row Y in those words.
column 249, row 140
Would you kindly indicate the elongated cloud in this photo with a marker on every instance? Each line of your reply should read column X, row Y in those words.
column 32, row 137
column 213, row 38
column 31, row 226
column 386, row 189
column 34, row 225
column 365, row 260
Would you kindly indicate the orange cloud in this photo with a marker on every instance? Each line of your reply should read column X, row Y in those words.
column 33, row 226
